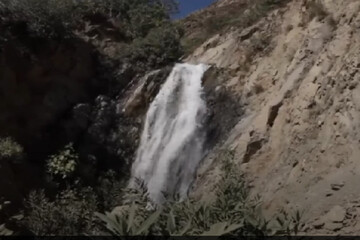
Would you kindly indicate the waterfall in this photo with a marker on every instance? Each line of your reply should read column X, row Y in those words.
column 171, row 143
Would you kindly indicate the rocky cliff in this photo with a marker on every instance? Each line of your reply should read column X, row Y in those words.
column 69, row 80
column 296, row 71
column 282, row 94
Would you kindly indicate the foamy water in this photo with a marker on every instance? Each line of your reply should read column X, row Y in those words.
column 171, row 143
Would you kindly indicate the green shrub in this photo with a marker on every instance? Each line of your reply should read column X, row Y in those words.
column 61, row 18
column 141, row 29
column 75, row 211
column 109, row 189
column 71, row 213
column 10, row 150
column 43, row 17
column 159, row 47
column 232, row 213
column 64, row 163
column 143, row 19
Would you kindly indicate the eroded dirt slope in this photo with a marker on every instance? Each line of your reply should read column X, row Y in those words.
column 297, row 72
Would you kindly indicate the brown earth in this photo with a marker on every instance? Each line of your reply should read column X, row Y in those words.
column 297, row 72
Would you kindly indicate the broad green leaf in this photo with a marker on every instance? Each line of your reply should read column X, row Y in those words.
column 131, row 217
column 117, row 221
column 110, row 223
column 148, row 222
column 171, row 225
column 186, row 228
column 251, row 220
column 216, row 229
column 233, row 227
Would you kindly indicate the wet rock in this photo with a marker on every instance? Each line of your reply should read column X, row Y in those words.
column 102, row 117
column 81, row 115
column 110, row 140
column 147, row 88
column 224, row 109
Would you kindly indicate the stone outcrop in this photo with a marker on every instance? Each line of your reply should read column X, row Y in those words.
column 54, row 92
column 297, row 138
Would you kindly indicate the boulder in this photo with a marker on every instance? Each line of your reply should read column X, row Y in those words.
column 144, row 91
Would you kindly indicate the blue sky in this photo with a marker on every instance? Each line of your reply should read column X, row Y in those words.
column 189, row 6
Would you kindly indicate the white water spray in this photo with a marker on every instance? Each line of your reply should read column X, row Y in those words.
column 171, row 143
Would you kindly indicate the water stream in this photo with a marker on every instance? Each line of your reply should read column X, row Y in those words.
column 171, row 144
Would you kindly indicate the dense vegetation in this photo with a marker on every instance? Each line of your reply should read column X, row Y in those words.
column 141, row 35
column 143, row 26
column 231, row 212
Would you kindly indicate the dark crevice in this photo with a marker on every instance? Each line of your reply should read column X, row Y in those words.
column 253, row 148
column 274, row 110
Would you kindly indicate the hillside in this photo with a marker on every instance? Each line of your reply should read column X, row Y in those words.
column 107, row 107
column 296, row 72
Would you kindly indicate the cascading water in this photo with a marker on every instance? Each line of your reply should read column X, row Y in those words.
column 171, row 143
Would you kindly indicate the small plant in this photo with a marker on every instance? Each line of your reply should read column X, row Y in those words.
column 127, row 225
column 288, row 224
column 141, row 31
column 110, row 189
column 10, row 150
column 160, row 46
column 70, row 213
column 64, row 163
column 231, row 213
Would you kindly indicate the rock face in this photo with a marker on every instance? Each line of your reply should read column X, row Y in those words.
column 54, row 92
column 42, row 87
column 40, row 82
column 142, row 93
column 283, row 94
column 224, row 108
column 298, row 137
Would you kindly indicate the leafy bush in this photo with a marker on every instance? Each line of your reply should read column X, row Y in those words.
column 10, row 150
column 60, row 18
column 160, row 46
column 232, row 213
column 75, row 212
column 71, row 213
column 140, row 31
column 43, row 17
column 63, row 164
column 110, row 189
